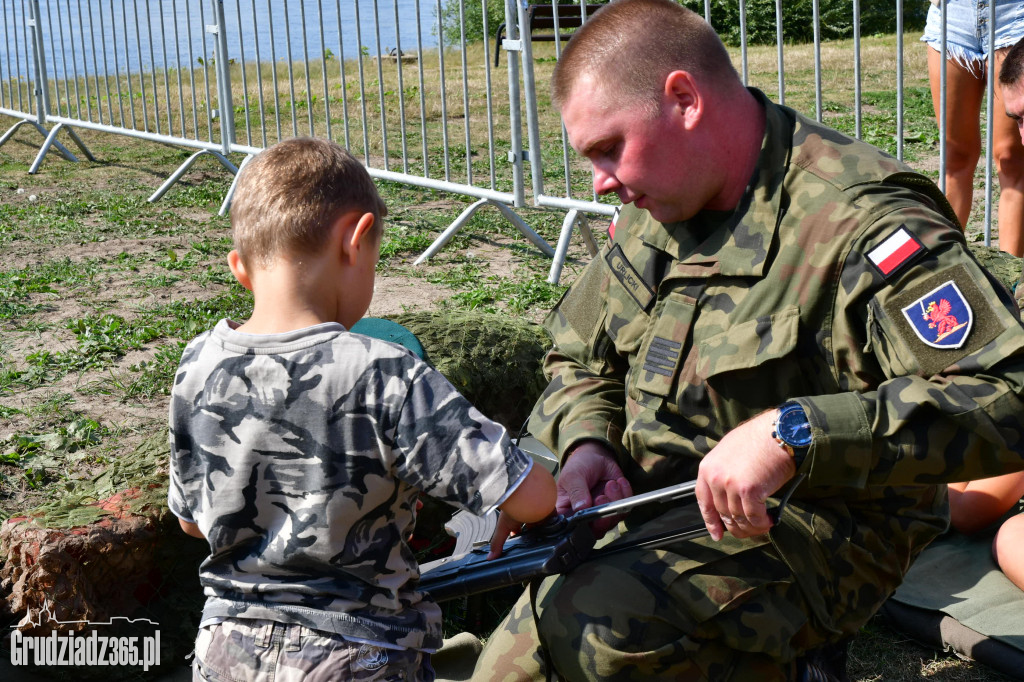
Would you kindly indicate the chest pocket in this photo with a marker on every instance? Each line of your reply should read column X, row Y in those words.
column 661, row 353
column 750, row 344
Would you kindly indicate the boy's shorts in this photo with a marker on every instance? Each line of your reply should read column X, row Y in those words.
column 967, row 40
column 265, row 651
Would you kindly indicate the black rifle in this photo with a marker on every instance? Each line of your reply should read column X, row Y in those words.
column 557, row 546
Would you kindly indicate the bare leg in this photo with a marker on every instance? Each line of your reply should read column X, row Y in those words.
column 977, row 504
column 1008, row 549
column 1008, row 153
column 963, row 133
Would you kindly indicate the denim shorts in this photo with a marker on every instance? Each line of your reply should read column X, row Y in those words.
column 967, row 39
column 265, row 651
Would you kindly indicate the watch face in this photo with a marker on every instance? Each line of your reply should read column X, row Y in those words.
column 793, row 427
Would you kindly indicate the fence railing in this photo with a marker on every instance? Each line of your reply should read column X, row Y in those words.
column 395, row 81
column 20, row 72
column 572, row 190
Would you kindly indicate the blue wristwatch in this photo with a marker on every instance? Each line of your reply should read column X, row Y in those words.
column 792, row 431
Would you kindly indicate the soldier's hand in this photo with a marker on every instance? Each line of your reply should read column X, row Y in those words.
column 735, row 479
column 591, row 476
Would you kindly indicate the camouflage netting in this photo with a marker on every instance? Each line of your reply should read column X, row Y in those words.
column 105, row 552
column 110, row 548
column 1005, row 267
column 495, row 361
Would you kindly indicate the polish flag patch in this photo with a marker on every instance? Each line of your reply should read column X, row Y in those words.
column 895, row 251
column 611, row 228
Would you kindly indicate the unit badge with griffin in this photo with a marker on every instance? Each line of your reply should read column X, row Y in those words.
column 941, row 318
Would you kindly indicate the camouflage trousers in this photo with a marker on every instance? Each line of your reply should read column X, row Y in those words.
column 265, row 651
column 698, row 610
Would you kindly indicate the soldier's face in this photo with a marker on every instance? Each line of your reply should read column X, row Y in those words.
column 642, row 158
column 1013, row 98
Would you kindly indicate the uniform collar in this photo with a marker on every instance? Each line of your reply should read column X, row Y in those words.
column 736, row 243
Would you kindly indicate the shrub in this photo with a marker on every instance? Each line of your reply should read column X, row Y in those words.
column 473, row 14
column 876, row 16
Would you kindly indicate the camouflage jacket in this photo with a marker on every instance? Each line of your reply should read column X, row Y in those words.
column 301, row 457
column 816, row 289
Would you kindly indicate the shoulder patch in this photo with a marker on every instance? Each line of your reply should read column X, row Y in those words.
column 895, row 252
column 942, row 318
column 615, row 219
column 627, row 275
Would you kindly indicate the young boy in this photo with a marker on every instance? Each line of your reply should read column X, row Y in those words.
column 298, row 449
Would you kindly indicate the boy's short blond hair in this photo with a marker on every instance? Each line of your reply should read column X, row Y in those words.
column 291, row 194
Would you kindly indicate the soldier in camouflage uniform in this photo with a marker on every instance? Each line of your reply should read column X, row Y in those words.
column 299, row 449
column 762, row 260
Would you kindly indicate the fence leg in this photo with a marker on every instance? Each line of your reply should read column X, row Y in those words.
column 450, row 232
column 81, row 145
column 446, row 236
column 10, row 131
column 46, row 136
column 525, row 229
column 226, row 206
column 64, row 151
column 571, row 219
column 51, row 141
column 176, row 175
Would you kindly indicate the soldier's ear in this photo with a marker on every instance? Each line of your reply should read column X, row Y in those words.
column 683, row 95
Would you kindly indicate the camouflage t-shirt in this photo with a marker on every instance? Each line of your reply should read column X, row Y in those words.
column 301, row 456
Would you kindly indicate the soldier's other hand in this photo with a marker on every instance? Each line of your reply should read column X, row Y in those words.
column 591, row 476
column 735, row 479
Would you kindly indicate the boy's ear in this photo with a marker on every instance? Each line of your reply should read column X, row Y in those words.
column 238, row 269
column 357, row 234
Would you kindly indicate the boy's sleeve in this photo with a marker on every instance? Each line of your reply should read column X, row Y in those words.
column 179, row 440
column 450, row 451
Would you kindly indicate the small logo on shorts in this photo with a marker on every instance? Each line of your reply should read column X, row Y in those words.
column 371, row 657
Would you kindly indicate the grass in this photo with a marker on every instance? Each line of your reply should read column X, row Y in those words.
column 100, row 289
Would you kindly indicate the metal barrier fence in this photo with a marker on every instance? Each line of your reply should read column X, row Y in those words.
column 20, row 72
column 115, row 66
column 395, row 81
column 572, row 189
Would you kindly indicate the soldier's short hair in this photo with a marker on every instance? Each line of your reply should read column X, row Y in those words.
column 1011, row 72
column 630, row 46
column 290, row 195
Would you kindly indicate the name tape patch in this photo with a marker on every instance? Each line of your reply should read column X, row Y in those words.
column 895, row 252
column 942, row 318
column 629, row 277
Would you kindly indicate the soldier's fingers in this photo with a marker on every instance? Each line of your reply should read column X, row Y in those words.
column 614, row 490
column 756, row 514
column 706, row 504
column 624, row 487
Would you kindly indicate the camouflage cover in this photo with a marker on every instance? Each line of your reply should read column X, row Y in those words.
column 675, row 334
column 301, row 457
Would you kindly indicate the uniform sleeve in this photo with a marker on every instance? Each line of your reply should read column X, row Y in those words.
column 585, row 396
column 939, row 348
column 451, row 451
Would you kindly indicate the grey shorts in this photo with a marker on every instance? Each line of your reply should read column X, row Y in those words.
column 265, row 651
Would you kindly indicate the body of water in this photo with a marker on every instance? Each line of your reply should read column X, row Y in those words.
column 114, row 36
